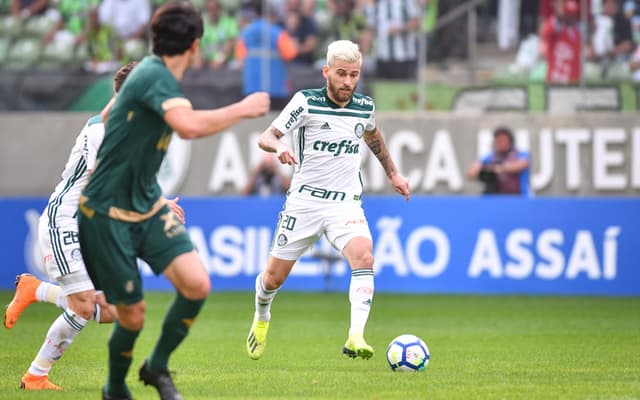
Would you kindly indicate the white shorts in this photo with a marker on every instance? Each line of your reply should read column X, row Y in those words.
column 62, row 257
column 301, row 225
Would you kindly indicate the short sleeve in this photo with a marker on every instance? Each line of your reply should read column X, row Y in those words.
column 293, row 115
column 94, row 138
column 164, row 93
column 371, row 121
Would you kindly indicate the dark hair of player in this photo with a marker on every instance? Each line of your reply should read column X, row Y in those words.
column 122, row 74
column 174, row 27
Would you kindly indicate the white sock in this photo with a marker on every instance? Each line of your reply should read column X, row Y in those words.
column 60, row 335
column 360, row 297
column 50, row 293
column 263, row 299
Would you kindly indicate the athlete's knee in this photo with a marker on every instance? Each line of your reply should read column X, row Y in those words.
column 272, row 280
column 131, row 317
column 83, row 304
column 197, row 290
column 359, row 252
column 362, row 260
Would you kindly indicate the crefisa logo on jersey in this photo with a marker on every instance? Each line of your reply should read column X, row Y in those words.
column 359, row 130
column 293, row 117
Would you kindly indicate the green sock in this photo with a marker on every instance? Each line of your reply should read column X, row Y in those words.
column 120, row 355
column 175, row 328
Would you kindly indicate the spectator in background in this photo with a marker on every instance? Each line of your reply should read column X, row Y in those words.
column 395, row 24
column 308, row 8
column 561, row 43
column 612, row 39
column 430, row 18
column 101, row 53
column 548, row 8
column 505, row 170
column 349, row 23
column 71, row 22
column 265, row 47
column 303, row 29
column 127, row 20
column 451, row 39
column 634, row 64
column 24, row 9
column 632, row 13
column 266, row 178
column 218, row 41
column 508, row 23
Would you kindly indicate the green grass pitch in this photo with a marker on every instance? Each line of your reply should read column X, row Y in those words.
column 482, row 347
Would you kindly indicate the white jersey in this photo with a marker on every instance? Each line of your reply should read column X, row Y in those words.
column 63, row 202
column 327, row 141
column 58, row 227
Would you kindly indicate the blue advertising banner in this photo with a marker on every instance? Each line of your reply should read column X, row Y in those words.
column 496, row 245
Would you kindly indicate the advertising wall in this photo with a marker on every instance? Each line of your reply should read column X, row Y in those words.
column 497, row 245
column 586, row 154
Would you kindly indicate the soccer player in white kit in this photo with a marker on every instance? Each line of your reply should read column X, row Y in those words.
column 58, row 239
column 328, row 126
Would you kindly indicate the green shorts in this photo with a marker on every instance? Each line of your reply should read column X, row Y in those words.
column 110, row 249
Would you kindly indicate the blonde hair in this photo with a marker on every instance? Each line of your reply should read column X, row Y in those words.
column 343, row 50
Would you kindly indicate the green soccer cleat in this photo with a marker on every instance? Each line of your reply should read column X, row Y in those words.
column 357, row 347
column 257, row 339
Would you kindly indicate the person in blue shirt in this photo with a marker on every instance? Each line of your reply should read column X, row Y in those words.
column 264, row 48
column 506, row 169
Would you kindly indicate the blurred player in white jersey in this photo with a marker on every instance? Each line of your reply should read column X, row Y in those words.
column 58, row 239
column 328, row 126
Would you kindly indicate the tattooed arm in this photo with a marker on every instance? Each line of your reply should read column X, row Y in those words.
column 270, row 141
column 375, row 141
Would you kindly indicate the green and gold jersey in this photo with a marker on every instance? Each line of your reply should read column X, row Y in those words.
column 124, row 184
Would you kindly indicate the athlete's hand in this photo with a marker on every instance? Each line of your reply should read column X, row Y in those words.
column 256, row 104
column 177, row 210
column 285, row 154
column 401, row 185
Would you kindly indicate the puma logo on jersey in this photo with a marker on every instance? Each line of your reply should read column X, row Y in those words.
column 345, row 146
column 293, row 117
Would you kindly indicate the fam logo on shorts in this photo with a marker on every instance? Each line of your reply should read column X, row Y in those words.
column 282, row 239
column 76, row 255
column 359, row 130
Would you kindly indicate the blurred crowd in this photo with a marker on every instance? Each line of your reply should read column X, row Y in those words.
column 554, row 39
column 592, row 39
column 105, row 33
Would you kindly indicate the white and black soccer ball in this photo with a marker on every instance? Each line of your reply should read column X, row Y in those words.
column 408, row 353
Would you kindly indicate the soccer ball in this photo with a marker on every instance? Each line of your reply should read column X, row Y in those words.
column 408, row 353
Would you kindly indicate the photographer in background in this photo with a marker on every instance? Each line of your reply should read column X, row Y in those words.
column 266, row 178
column 506, row 169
